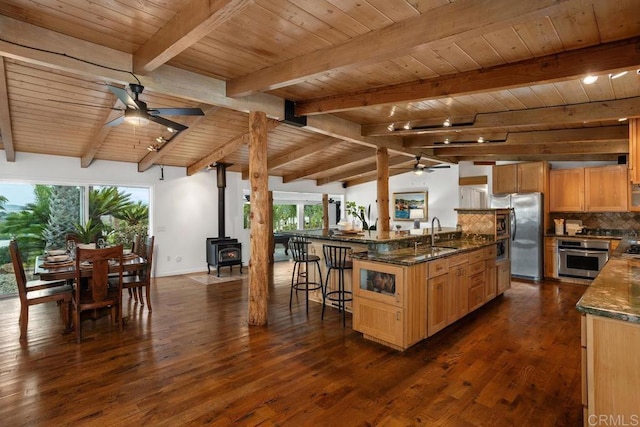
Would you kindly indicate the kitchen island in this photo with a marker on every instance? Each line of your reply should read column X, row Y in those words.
column 408, row 289
column 611, row 342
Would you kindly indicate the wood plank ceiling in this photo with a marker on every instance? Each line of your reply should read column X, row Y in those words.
column 365, row 74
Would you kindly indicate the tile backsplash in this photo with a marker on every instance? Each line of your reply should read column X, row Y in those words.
column 627, row 222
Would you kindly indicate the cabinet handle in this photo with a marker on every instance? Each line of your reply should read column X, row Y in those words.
column 397, row 315
column 397, row 297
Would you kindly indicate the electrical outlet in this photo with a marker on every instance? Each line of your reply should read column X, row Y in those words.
column 168, row 258
column 178, row 258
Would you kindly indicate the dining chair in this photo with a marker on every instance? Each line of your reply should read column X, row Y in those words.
column 142, row 278
column 35, row 292
column 135, row 247
column 96, row 291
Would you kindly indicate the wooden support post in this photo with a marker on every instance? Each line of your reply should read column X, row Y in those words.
column 382, row 164
column 325, row 212
column 260, row 219
column 271, row 241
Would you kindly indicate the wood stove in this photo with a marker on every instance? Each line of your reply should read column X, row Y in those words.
column 223, row 252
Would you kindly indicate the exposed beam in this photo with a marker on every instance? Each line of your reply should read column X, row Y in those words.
column 576, row 114
column 442, row 26
column 192, row 122
column 361, row 170
column 501, row 149
column 228, row 148
column 195, row 21
column 100, row 135
column 324, row 167
column 6, row 133
column 294, row 155
column 605, row 133
column 604, row 58
column 538, row 157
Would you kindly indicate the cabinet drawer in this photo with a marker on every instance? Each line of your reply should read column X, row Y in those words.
column 438, row 267
column 476, row 256
column 490, row 252
column 476, row 279
column 457, row 260
column 476, row 267
column 476, row 296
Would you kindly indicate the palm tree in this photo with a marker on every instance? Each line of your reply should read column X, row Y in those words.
column 107, row 201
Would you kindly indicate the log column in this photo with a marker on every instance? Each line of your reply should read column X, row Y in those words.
column 325, row 212
column 382, row 164
column 260, row 219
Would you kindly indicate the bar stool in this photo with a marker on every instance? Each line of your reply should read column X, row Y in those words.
column 335, row 258
column 300, row 279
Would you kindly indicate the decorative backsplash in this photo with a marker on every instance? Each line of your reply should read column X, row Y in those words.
column 626, row 223
column 477, row 223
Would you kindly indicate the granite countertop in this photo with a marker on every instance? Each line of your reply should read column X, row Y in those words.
column 367, row 236
column 411, row 256
column 615, row 292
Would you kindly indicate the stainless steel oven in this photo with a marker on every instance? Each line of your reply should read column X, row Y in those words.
column 582, row 258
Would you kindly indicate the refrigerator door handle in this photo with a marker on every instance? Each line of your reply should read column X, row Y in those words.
column 514, row 224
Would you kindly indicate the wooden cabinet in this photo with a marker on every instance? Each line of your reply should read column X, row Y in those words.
column 634, row 150
column 437, row 303
column 505, row 179
column 503, row 272
column 606, row 189
column 519, row 177
column 477, row 285
column 566, row 190
column 389, row 302
column 550, row 258
column 611, row 368
column 458, row 288
column 597, row 189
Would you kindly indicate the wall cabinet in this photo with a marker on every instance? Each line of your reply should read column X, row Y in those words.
column 597, row 189
column 634, row 150
column 519, row 178
column 606, row 189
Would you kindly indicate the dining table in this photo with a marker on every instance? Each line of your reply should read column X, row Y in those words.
column 66, row 270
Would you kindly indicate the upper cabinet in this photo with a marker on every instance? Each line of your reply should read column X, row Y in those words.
column 519, row 178
column 598, row 189
column 634, row 150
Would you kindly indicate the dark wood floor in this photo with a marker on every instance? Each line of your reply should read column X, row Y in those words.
column 195, row 361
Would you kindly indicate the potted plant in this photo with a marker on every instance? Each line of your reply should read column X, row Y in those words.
column 357, row 212
column 87, row 233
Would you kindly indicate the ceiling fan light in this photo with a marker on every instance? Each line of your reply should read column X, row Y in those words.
column 590, row 79
column 418, row 171
column 135, row 117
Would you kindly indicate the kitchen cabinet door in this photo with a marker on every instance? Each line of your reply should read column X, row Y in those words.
column 606, row 189
column 491, row 280
column 634, row 150
column 379, row 321
column 437, row 308
column 550, row 258
column 531, row 177
column 505, row 179
column 503, row 270
column 566, row 190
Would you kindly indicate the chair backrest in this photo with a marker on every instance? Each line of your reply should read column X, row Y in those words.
column 18, row 268
column 298, row 246
column 98, row 283
column 335, row 256
column 146, row 252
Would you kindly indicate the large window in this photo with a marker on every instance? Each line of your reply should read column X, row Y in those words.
column 43, row 216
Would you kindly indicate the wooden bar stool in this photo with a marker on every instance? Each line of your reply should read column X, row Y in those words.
column 335, row 258
column 300, row 280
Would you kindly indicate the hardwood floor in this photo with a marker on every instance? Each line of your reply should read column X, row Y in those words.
column 195, row 361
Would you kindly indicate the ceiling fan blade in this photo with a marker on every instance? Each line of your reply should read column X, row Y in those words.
column 124, row 96
column 85, row 105
column 115, row 122
column 176, row 111
column 167, row 123
column 440, row 167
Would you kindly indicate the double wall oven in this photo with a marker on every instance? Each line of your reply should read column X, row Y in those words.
column 581, row 258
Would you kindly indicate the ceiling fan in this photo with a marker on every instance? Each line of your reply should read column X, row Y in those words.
column 137, row 112
column 419, row 168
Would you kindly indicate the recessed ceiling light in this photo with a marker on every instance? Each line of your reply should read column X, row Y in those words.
column 589, row 80
column 617, row 75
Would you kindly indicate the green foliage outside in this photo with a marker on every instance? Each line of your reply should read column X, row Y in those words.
column 284, row 217
column 312, row 217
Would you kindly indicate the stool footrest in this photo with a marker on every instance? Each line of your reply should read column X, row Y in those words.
column 347, row 296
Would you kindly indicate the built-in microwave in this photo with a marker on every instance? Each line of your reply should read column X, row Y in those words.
column 502, row 222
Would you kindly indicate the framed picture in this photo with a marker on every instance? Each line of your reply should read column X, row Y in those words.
column 409, row 206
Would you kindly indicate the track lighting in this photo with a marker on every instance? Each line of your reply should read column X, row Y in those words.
column 617, row 75
column 172, row 130
column 446, row 140
column 152, row 148
column 480, row 140
column 161, row 140
column 391, row 127
column 447, row 123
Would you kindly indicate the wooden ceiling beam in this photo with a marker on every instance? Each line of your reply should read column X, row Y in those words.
column 294, row 155
column 442, row 26
column 501, row 149
column 548, row 157
column 6, row 134
column 192, row 123
column 191, row 24
column 604, row 58
column 100, row 135
column 327, row 168
column 228, row 148
column 564, row 115
column 356, row 172
column 604, row 133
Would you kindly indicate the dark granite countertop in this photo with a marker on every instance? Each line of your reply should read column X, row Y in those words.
column 367, row 236
column 615, row 292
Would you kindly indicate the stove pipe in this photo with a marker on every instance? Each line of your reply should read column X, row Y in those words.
column 221, row 178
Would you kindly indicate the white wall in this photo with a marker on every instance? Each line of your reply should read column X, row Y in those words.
column 441, row 184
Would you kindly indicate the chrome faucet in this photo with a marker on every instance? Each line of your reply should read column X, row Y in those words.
column 434, row 237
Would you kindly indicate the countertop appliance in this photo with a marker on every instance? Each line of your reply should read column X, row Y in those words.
column 526, row 232
column 582, row 258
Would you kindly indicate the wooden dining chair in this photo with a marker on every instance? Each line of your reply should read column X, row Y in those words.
column 142, row 278
column 35, row 292
column 97, row 291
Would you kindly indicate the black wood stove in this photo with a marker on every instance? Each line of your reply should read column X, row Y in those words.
column 223, row 251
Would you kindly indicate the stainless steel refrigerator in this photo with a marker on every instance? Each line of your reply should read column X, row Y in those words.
column 527, row 232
